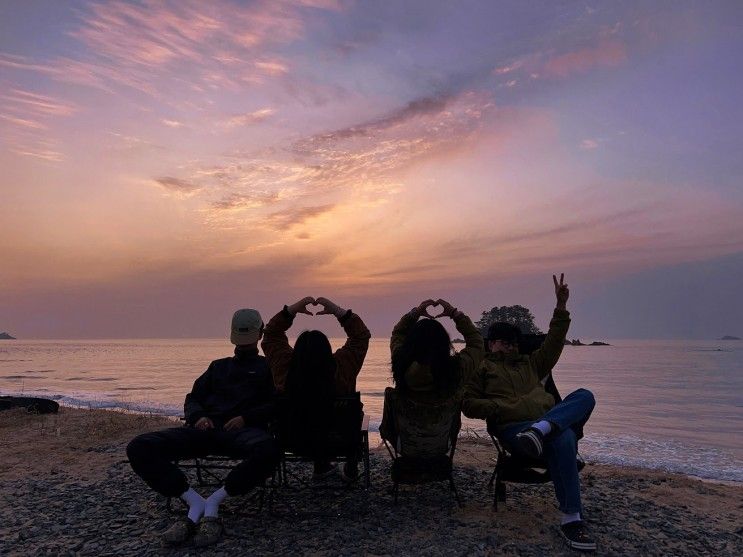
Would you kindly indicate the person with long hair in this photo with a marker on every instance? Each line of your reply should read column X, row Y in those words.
column 425, row 367
column 311, row 375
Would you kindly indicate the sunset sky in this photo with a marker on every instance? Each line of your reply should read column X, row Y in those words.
column 164, row 163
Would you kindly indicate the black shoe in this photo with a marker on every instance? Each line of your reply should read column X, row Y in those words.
column 530, row 442
column 577, row 536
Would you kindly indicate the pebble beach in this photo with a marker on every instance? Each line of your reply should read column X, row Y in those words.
column 66, row 489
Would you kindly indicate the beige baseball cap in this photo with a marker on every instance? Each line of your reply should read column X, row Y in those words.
column 246, row 327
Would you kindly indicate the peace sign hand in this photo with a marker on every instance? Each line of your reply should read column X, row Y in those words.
column 562, row 293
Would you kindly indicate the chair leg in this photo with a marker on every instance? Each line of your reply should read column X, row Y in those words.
column 199, row 476
column 492, row 476
column 367, row 467
column 453, row 487
column 499, row 493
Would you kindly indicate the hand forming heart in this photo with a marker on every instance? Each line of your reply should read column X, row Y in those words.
column 436, row 311
column 320, row 306
column 447, row 310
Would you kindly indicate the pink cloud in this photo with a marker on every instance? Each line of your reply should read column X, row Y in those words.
column 40, row 104
column 607, row 53
column 249, row 118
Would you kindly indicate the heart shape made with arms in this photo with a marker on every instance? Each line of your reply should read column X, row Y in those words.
column 314, row 308
column 434, row 311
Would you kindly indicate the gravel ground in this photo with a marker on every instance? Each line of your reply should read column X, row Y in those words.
column 118, row 515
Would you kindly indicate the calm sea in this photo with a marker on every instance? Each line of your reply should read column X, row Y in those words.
column 673, row 405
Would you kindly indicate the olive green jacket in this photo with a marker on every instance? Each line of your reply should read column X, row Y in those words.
column 422, row 422
column 418, row 376
column 508, row 389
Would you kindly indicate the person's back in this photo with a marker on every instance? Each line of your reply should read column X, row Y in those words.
column 429, row 378
column 311, row 375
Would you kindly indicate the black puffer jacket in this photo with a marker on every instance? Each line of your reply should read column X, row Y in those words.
column 237, row 386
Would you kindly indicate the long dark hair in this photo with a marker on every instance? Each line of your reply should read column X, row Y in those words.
column 310, row 381
column 429, row 344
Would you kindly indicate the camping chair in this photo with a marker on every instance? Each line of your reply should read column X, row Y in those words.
column 211, row 471
column 349, row 434
column 518, row 468
column 421, row 439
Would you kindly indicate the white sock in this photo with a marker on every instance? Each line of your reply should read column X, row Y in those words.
column 543, row 426
column 213, row 502
column 195, row 504
column 569, row 517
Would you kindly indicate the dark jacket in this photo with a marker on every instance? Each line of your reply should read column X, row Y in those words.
column 509, row 389
column 237, row 386
column 349, row 358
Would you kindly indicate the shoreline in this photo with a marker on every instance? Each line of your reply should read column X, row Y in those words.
column 68, row 488
column 173, row 415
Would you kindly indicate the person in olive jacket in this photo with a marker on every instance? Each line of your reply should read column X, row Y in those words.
column 430, row 374
column 509, row 393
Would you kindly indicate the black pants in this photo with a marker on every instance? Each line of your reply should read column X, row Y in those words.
column 151, row 456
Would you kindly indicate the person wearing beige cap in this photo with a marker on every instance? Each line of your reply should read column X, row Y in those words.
column 227, row 413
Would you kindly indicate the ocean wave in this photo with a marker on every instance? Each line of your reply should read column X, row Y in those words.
column 666, row 455
column 101, row 401
column 621, row 450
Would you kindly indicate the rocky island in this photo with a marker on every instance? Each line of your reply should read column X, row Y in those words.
column 6, row 336
column 577, row 342
column 728, row 337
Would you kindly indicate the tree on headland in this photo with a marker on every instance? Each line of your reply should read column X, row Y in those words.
column 515, row 315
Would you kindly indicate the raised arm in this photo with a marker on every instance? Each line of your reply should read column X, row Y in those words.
column 275, row 343
column 544, row 359
column 474, row 349
column 401, row 330
column 350, row 357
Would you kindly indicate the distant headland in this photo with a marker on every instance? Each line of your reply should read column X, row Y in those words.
column 728, row 337
column 6, row 336
column 577, row 342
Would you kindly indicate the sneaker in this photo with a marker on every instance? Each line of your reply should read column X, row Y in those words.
column 350, row 473
column 577, row 537
column 530, row 442
column 327, row 474
column 209, row 532
column 179, row 532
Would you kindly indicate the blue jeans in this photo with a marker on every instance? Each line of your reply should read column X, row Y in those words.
column 561, row 445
